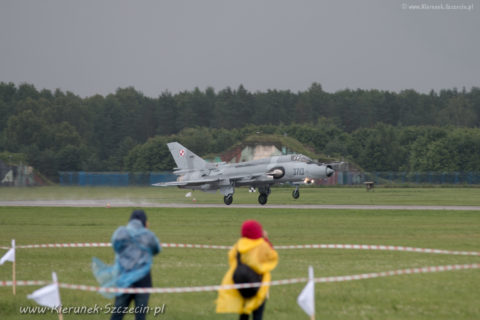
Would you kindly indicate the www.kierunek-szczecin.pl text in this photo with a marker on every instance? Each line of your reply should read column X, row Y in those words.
column 96, row 309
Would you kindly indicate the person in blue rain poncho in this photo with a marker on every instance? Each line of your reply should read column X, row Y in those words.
column 134, row 247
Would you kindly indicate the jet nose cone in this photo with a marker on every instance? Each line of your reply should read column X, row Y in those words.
column 322, row 171
column 329, row 171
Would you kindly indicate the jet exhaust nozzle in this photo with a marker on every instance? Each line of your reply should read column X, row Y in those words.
column 309, row 181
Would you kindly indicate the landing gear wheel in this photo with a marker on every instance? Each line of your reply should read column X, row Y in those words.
column 296, row 194
column 262, row 199
column 228, row 199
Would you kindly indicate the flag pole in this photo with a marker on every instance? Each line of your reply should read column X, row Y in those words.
column 312, row 278
column 60, row 314
column 14, row 282
column 59, row 308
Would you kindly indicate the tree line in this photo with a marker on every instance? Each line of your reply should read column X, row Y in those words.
column 127, row 131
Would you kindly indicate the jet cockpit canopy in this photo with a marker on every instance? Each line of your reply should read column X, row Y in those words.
column 301, row 158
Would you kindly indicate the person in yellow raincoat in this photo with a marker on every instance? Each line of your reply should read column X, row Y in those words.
column 257, row 252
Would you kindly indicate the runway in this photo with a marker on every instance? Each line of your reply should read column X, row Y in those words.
column 115, row 203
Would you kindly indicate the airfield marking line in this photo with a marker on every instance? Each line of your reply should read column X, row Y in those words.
column 119, row 203
column 278, row 247
column 362, row 276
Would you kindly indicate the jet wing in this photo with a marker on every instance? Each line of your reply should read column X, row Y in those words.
column 198, row 182
column 244, row 177
column 251, row 178
column 240, row 178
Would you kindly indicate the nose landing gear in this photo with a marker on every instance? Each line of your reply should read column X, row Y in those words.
column 296, row 193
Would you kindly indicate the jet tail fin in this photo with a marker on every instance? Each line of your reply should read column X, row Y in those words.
column 184, row 158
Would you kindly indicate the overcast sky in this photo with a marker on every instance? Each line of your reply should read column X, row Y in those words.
column 96, row 46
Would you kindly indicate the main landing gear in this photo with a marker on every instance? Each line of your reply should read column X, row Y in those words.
column 228, row 199
column 264, row 192
column 262, row 198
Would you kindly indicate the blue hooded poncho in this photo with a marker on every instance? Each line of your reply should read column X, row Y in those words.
column 134, row 247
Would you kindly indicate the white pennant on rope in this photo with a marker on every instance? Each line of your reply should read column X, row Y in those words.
column 10, row 255
column 306, row 299
column 48, row 296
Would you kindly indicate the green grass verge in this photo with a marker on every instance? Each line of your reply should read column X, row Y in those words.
column 279, row 195
column 447, row 295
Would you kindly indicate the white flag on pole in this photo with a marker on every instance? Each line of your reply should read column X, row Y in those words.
column 10, row 255
column 306, row 299
column 48, row 296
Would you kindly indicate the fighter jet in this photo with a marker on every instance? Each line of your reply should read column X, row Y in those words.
column 197, row 174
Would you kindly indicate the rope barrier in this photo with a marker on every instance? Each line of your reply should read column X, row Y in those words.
column 362, row 276
column 378, row 247
column 280, row 247
column 24, row 283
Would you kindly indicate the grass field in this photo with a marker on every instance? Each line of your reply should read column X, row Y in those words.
column 447, row 295
column 279, row 195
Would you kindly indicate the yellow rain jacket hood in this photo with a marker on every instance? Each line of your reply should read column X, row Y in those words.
column 262, row 258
